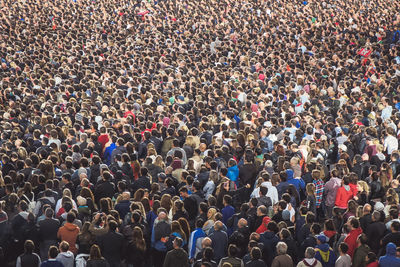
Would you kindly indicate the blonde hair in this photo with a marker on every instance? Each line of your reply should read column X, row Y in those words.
column 310, row 189
column 213, row 212
column 190, row 141
column 364, row 186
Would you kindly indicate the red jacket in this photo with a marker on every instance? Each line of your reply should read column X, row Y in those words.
column 343, row 196
column 373, row 264
column 351, row 240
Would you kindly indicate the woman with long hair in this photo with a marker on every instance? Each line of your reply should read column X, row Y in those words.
column 176, row 231
column 210, row 220
column 67, row 196
column 136, row 249
column 95, row 258
column 362, row 196
column 85, row 239
column 351, row 209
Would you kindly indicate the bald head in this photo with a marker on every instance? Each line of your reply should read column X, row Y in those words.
column 126, row 195
column 218, row 225
column 206, row 242
column 242, row 223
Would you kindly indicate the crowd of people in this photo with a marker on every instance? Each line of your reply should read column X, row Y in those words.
column 199, row 133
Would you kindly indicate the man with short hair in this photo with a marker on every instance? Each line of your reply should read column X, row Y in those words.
column 65, row 256
column 178, row 256
column 112, row 244
column 219, row 240
column 282, row 258
column 48, row 229
column 52, row 262
column 361, row 251
column 69, row 232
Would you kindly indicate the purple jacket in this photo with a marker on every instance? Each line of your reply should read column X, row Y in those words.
column 330, row 191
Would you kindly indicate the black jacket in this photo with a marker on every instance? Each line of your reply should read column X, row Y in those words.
column 112, row 246
column 375, row 232
column 176, row 257
column 255, row 263
column 104, row 189
column 97, row 263
column 142, row 182
column 48, row 229
column 219, row 244
column 240, row 238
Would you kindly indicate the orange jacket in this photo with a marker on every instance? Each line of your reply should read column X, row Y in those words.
column 69, row 232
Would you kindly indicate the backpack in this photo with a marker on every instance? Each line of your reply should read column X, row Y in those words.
column 81, row 260
column 31, row 202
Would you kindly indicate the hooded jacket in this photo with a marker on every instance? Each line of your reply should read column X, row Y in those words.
column 272, row 192
column 390, row 258
column 351, row 240
column 69, row 232
column 325, row 255
column 233, row 174
column 331, row 188
column 297, row 182
column 66, row 258
column 344, row 194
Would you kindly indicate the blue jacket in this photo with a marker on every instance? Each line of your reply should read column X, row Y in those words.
column 269, row 239
column 390, row 258
column 123, row 207
column 196, row 234
column 108, row 152
column 233, row 174
column 298, row 182
column 227, row 212
column 219, row 243
column 325, row 255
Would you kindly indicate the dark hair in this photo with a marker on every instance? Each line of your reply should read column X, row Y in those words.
column 344, row 247
column 255, row 253
column 71, row 217
column 53, row 252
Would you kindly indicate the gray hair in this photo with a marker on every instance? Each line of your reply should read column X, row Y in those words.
column 281, row 248
column 310, row 253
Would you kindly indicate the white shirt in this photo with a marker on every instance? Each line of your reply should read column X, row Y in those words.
column 391, row 144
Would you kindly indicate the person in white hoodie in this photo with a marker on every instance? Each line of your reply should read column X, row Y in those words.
column 272, row 191
column 65, row 256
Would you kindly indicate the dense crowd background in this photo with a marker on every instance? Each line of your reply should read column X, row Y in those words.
column 204, row 133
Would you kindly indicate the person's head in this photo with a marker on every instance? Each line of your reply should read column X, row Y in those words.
column 206, row 242
column 71, row 217
column 281, row 248
column 354, row 223
column 178, row 242
column 53, row 252
column 395, row 227
column 95, row 253
column 49, row 212
column 255, row 253
column 310, row 253
column 343, row 248
column 233, row 250
column 362, row 239
column 29, row 247
column 64, row 246
column 376, row 216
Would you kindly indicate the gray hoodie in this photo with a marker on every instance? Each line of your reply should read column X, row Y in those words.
column 66, row 258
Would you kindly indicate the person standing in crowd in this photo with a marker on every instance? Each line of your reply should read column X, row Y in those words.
column 52, row 261
column 28, row 258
